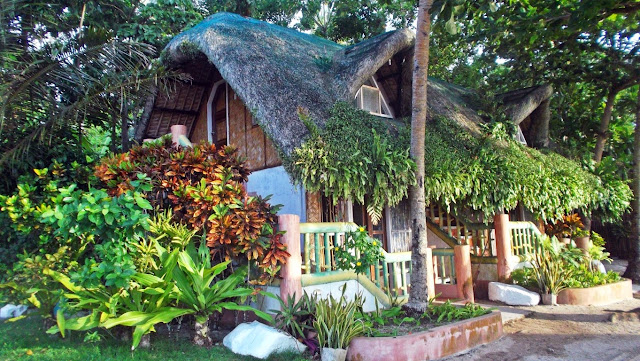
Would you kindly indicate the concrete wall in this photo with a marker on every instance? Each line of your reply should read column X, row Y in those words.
column 275, row 182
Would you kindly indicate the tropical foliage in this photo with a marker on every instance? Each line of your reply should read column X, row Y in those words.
column 492, row 172
column 374, row 170
column 202, row 186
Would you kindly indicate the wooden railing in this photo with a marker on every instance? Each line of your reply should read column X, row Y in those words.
column 319, row 241
column 392, row 273
column 444, row 266
column 477, row 235
column 525, row 238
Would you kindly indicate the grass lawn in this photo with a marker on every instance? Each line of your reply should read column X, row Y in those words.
column 26, row 340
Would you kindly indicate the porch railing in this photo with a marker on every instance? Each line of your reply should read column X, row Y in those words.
column 320, row 239
column 478, row 236
column 444, row 266
column 525, row 238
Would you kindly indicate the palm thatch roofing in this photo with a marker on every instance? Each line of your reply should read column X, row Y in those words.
column 278, row 72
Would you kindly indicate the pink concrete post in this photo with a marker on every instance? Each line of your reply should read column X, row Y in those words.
column 503, row 245
column 176, row 132
column 464, row 281
column 291, row 272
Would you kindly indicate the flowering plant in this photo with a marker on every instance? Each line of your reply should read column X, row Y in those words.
column 359, row 252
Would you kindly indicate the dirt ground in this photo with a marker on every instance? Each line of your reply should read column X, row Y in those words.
column 553, row 333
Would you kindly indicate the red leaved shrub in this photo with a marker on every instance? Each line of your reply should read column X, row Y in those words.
column 203, row 186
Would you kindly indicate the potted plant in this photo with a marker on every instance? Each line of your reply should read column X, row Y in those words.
column 550, row 271
column 582, row 239
column 336, row 324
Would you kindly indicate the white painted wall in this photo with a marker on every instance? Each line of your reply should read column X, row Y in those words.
column 334, row 289
column 353, row 288
column 275, row 182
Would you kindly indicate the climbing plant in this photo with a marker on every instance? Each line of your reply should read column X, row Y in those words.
column 356, row 156
column 492, row 172
column 365, row 158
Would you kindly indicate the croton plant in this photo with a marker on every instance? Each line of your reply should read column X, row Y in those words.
column 203, row 186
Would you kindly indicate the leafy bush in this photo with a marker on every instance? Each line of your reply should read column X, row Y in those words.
column 387, row 322
column 202, row 186
column 584, row 276
column 359, row 252
column 557, row 267
column 186, row 283
column 296, row 317
column 448, row 312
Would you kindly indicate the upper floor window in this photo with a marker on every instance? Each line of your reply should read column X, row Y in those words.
column 370, row 98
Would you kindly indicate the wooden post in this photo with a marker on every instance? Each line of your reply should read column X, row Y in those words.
column 431, row 279
column 176, row 131
column 291, row 272
column 503, row 245
column 464, row 281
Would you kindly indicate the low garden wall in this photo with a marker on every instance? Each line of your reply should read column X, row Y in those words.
column 598, row 295
column 429, row 345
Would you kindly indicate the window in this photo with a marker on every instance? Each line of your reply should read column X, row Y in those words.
column 370, row 98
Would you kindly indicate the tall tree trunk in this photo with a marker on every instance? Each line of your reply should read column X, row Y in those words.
column 418, row 295
column 603, row 133
column 633, row 269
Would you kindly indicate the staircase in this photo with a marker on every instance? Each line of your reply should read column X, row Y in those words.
column 456, row 230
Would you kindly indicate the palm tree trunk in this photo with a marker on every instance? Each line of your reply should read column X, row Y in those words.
column 633, row 269
column 201, row 336
column 418, row 294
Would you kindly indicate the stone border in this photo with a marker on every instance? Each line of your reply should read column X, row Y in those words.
column 429, row 345
column 598, row 295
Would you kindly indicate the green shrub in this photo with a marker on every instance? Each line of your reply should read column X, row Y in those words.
column 203, row 188
column 359, row 252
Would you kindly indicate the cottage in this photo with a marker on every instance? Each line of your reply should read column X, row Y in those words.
column 251, row 80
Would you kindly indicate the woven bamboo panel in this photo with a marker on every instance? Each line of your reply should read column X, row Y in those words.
column 314, row 207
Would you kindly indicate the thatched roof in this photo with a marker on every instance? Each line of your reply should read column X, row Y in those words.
column 276, row 71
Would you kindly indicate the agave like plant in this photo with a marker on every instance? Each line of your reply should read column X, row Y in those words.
column 197, row 290
column 337, row 321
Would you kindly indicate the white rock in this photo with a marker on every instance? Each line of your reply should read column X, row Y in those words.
column 259, row 340
column 595, row 264
column 9, row 311
column 512, row 294
column 523, row 264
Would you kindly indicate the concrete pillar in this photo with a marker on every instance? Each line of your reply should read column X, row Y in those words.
column 503, row 245
column 464, row 281
column 431, row 279
column 291, row 272
column 176, row 132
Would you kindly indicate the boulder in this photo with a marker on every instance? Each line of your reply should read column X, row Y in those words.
column 512, row 294
column 10, row 311
column 595, row 264
column 259, row 340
